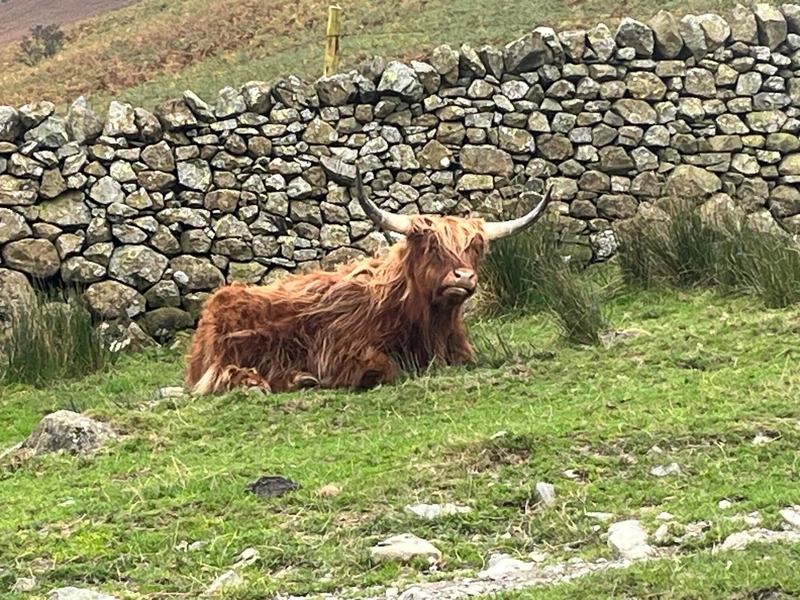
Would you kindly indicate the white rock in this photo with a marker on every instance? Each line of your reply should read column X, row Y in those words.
column 661, row 534
column 403, row 548
column 247, row 557
column 23, row 584
column 74, row 593
column 664, row 516
column 760, row 438
column 629, row 540
column 600, row 516
column 792, row 516
column 753, row 519
column 546, row 493
column 663, row 471
column 537, row 557
column 737, row 541
column 226, row 581
column 724, row 504
column 431, row 511
column 502, row 564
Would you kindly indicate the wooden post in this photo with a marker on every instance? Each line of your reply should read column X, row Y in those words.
column 332, row 42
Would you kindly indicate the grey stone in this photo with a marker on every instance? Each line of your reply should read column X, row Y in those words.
column 546, row 493
column 36, row 257
column 51, row 133
column 689, row 181
column 743, row 25
column 628, row 539
column 12, row 226
column 527, row 53
column 601, row 41
column 716, row 30
column 107, row 191
column 137, row 266
column 337, row 90
column 486, row 159
column 645, row 86
column 193, row 273
column 635, row 34
column 772, row 26
column 70, row 432
column 635, row 112
column 77, row 269
column 700, row 82
column 120, row 120
column 159, row 157
column 10, row 126
column 194, row 174
column 401, row 80
column 403, row 548
column 694, row 38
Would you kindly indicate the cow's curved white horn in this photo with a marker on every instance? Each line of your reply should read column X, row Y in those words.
column 496, row 231
column 384, row 220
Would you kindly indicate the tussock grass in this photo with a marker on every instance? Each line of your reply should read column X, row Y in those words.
column 527, row 273
column 49, row 341
column 722, row 250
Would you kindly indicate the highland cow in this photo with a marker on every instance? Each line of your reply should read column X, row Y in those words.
column 357, row 326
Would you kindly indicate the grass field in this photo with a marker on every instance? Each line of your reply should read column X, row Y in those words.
column 704, row 376
column 156, row 49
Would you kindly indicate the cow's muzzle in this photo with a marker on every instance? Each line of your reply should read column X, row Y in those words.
column 461, row 284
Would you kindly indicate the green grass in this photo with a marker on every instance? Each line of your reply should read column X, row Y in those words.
column 705, row 375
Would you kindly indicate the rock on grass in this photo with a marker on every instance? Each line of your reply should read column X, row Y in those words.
column 629, row 540
column 403, row 548
column 75, row 593
column 68, row 431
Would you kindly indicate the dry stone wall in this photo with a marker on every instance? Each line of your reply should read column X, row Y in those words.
column 152, row 211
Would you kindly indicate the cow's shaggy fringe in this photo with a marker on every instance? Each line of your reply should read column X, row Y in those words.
column 720, row 249
column 48, row 341
column 528, row 274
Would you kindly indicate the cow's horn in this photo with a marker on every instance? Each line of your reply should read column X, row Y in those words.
column 496, row 231
column 384, row 220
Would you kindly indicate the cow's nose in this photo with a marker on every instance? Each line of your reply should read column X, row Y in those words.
column 466, row 278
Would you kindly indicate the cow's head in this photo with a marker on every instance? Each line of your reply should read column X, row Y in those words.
column 443, row 252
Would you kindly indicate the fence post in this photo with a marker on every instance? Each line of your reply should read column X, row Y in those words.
column 332, row 42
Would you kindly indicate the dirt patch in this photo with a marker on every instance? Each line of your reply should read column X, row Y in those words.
column 501, row 450
column 18, row 16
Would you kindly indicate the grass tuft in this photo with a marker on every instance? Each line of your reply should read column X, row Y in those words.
column 711, row 248
column 48, row 341
column 527, row 274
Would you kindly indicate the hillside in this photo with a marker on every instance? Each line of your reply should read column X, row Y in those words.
column 18, row 16
column 153, row 50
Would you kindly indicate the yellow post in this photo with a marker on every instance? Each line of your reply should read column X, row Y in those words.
column 332, row 42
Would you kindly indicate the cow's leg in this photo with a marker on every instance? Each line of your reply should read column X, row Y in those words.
column 293, row 380
column 246, row 378
column 218, row 380
column 369, row 368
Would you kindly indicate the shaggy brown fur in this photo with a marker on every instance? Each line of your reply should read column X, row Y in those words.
column 350, row 328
